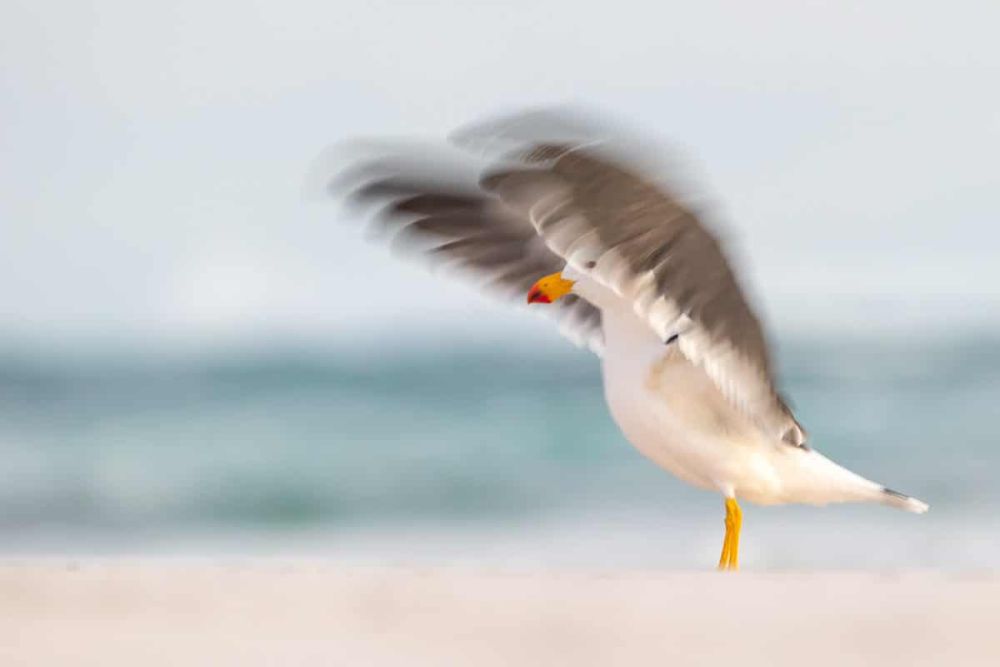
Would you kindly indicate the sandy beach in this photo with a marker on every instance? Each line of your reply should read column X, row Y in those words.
column 318, row 613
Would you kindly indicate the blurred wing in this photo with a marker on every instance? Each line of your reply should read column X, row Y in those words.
column 464, row 229
column 633, row 236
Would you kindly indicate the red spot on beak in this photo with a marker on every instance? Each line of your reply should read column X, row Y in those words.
column 536, row 295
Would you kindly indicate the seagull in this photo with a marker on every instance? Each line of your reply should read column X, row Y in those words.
column 570, row 215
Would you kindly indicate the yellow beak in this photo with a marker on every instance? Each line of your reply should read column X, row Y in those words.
column 549, row 289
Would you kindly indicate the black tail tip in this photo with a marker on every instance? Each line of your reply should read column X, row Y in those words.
column 904, row 502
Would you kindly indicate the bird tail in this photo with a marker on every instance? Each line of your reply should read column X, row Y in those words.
column 821, row 481
column 902, row 501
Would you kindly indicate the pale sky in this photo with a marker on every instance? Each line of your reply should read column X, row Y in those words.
column 154, row 154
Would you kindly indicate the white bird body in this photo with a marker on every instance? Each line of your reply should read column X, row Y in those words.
column 672, row 412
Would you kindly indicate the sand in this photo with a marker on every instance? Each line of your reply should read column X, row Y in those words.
column 316, row 613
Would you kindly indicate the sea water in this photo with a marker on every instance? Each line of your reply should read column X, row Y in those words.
column 456, row 452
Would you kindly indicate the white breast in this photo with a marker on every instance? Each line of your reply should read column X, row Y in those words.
column 659, row 430
column 631, row 352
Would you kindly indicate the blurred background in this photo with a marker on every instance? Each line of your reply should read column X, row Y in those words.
column 197, row 359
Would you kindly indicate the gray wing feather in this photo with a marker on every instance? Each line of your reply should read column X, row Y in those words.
column 463, row 228
column 635, row 237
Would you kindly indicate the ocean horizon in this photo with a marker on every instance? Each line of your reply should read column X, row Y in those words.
column 456, row 452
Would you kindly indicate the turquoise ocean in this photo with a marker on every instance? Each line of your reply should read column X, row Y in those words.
column 450, row 452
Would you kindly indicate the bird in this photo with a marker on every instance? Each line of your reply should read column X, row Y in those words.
column 573, row 216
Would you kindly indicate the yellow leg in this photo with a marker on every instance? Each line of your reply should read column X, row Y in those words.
column 726, row 547
column 733, row 508
column 730, row 558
